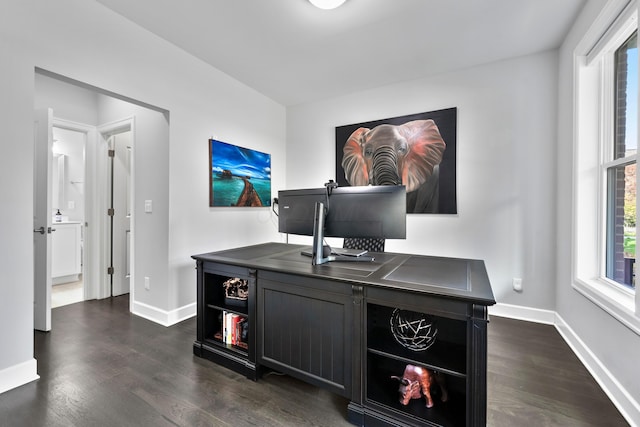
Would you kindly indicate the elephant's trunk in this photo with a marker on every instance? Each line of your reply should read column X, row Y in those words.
column 385, row 168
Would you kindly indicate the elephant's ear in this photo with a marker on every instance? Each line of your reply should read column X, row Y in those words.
column 425, row 152
column 353, row 163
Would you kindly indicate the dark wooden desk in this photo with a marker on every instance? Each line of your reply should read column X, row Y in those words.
column 332, row 325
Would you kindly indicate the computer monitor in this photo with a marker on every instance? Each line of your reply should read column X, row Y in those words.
column 296, row 209
column 358, row 211
column 367, row 212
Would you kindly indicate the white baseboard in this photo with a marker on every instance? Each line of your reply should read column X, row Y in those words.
column 17, row 375
column 523, row 313
column 628, row 406
column 621, row 398
column 65, row 279
column 163, row 317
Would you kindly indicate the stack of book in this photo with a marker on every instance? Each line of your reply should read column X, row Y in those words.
column 232, row 326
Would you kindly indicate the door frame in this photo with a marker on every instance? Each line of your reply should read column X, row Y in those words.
column 104, row 132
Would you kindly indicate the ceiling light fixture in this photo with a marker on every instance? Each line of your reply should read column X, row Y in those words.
column 327, row 4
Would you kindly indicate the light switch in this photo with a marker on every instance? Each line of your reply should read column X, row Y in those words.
column 148, row 206
column 71, row 204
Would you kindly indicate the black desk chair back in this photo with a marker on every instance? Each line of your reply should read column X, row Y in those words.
column 366, row 244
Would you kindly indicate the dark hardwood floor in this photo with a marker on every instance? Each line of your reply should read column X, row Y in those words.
column 101, row 366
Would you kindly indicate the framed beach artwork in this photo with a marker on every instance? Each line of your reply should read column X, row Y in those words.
column 417, row 151
column 238, row 176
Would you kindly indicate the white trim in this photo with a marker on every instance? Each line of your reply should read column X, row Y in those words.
column 621, row 398
column 627, row 404
column 17, row 375
column 610, row 299
column 592, row 150
column 614, row 25
column 163, row 317
column 523, row 313
column 71, row 125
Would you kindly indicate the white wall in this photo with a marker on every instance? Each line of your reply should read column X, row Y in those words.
column 505, row 171
column 69, row 102
column 88, row 43
column 16, row 184
column 610, row 349
column 150, row 179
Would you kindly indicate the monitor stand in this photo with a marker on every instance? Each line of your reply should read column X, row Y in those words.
column 318, row 249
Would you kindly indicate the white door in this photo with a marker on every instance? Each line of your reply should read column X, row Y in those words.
column 43, row 158
column 120, row 183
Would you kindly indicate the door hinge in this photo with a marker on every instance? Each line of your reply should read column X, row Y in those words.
column 111, row 212
column 109, row 270
column 111, row 153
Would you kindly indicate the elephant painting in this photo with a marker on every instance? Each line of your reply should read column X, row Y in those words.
column 408, row 154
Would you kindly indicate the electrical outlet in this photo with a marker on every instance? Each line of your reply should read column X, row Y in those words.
column 147, row 283
column 517, row 284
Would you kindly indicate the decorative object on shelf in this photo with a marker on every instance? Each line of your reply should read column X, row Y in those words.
column 415, row 331
column 416, row 379
column 236, row 291
column 417, row 150
column 238, row 176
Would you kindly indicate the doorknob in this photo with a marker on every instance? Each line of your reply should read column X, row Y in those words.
column 42, row 231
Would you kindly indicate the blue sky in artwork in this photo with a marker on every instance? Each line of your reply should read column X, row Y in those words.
column 240, row 161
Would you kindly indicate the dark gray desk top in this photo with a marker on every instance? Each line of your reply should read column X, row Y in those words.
column 447, row 277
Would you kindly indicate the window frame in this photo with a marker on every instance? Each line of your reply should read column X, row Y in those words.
column 594, row 122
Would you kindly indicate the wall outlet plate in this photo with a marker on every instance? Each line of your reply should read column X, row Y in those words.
column 517, row 284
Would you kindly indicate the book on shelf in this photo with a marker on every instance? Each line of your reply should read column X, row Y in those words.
column 236, row 333
column 232, row 328
column 227, row 327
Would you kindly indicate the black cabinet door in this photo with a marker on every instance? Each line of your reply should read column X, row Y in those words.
column 305, row 329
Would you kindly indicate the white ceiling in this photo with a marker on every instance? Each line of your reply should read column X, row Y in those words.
column 294, row 53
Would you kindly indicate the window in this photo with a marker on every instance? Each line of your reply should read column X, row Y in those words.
column 619, row 167
column 605, row 157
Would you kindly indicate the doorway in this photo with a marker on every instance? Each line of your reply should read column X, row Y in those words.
column 120, row 146
column 108, row 114
column 68, row 202
column 75, row 179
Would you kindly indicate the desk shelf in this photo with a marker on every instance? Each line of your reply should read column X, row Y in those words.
column 387, row 356
column 382, row 395
column 215, row 315
column 447, row 354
